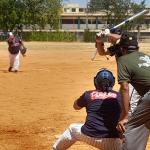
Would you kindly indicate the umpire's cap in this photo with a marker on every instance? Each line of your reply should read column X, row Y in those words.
column 129, row 41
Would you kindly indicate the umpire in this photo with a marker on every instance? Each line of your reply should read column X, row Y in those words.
column 134, row 68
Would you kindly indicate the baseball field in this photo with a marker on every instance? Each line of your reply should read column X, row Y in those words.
column 36, row 103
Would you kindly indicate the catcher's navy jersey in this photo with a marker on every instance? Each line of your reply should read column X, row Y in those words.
column 103, row 112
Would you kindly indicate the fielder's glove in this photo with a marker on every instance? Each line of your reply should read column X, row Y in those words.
column 23, row 50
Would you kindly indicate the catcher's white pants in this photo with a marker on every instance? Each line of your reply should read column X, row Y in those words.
column 73, row 134
column 14, row 61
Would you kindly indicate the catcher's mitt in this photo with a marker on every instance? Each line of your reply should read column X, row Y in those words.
column 23, row 50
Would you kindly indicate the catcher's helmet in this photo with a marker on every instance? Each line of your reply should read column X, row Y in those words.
column 104, row 80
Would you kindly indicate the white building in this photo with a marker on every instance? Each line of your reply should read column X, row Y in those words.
column 75, row 18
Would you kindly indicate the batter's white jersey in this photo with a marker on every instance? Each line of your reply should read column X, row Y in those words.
column 73, row 134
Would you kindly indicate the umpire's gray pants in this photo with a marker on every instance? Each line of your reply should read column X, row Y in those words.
column 137, row 129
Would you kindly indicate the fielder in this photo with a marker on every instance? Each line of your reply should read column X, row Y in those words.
column 103, row 111
column 15, row 47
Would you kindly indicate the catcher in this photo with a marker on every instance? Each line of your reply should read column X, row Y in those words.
column 15, row 47
column 103, row 111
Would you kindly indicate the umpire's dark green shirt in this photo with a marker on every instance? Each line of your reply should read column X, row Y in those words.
column 135, row 69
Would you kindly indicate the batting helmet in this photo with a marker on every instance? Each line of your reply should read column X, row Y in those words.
column 104, row 80
column 129, row 41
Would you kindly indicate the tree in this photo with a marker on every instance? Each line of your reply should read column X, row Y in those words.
column 11, row 13
column 54, row 10
column 137, row 23
column 42, row 12
column 116, row 10
column 101, row 5
column 35, row 13
column 137, row 8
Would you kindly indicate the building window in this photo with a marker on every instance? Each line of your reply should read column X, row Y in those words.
column 66, row 10
column 81, row 10
column 73, row 10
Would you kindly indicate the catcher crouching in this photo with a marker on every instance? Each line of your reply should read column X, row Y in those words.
column 103, row 111
column 15, row 47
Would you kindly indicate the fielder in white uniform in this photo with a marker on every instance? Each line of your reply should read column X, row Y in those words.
column 103, row 111
column 14, row 46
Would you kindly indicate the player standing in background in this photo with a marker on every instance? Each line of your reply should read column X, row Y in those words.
column 14, row 46
column 103, row 111
column 134, row 68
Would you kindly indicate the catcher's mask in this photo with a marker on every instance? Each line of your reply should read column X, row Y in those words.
column 104, row 80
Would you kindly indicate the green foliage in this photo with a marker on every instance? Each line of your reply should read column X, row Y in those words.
column 54, row 10
column 136, row 8
column 29, row 12
column 11, row 13
column 116, row 10
column 49, row 36
column 89, row 36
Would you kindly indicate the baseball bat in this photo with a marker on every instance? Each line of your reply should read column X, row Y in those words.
column 130, row 19
column 123, row 23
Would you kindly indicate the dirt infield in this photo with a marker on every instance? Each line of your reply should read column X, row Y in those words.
column 36, row 103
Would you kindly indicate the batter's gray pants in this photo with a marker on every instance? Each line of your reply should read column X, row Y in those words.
column 137, row 129
column 134, row 99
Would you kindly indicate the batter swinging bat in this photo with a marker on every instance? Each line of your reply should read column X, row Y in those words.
column 122, row 23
